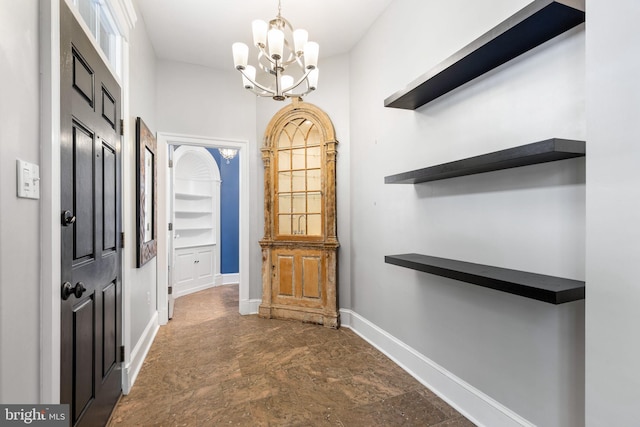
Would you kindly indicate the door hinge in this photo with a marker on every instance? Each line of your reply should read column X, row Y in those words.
column 170, row 226
column 122, row 353
column 170, row 292
column 121, row 127
column 122, row 240
column 170, row 163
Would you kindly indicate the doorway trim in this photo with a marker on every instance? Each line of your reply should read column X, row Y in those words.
column 246, row 306
column 50, row 243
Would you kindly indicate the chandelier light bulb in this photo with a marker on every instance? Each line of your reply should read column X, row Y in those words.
column 311, row 55
column 300, row 38
column 313, row 79
column 259, row 33
column 240, row 55
column 275, row 39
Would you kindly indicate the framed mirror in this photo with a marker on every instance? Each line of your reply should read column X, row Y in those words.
column 146, row 191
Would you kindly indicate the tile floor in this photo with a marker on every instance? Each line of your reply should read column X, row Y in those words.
column 210, row 366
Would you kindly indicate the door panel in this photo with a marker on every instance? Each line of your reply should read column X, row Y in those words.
column 90, row 189
column 109, row 326
column 83, row 326
column 285, row 274
column 82, row 164
column 82, row 77
column 311, row 277
column 184, row 270
column 109, row 108
column 110, row 212
column 204, row 266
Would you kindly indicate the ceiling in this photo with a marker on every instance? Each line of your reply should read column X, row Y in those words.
column 202, row 31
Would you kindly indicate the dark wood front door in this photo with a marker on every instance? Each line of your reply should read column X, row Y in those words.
column 91, row 330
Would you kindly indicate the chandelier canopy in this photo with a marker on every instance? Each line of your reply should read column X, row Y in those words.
column 279, row 46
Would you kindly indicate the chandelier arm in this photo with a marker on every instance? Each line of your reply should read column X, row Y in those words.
column 300, row 95
column 267, row 90
column 296, row 84
column 265, row 54
column 292, row 58
column 261, row 94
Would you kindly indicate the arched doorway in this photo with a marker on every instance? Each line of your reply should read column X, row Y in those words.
column 165, row 239
column 196, row 223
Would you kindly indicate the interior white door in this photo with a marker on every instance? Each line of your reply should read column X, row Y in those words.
column 171, row 235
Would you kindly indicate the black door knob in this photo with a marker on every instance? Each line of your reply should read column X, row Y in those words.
column 68, row 218
column 68, row 290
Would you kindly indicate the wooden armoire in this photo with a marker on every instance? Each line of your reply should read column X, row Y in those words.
column 299, row 248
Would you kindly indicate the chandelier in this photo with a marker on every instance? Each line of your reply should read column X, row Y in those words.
column 228, row 153
column 279, row 46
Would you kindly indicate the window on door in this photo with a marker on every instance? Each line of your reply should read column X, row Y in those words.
column 98, row 17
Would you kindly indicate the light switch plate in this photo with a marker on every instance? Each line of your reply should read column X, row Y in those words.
column 28, row 179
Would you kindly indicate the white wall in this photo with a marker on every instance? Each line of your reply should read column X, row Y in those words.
column 139, row 283
column 19, row 218
column 332, row 96
column 199, row 101
column 613, row 192
column 526, row 355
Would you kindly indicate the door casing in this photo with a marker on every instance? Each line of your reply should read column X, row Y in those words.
column 164, row 139
column 50, row 243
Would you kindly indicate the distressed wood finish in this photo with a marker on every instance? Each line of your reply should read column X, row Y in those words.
column 299, row 273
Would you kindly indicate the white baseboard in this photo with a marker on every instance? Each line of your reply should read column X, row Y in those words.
column 230, row 278
column 249, row 306
column 139, row 353
column 479, row 408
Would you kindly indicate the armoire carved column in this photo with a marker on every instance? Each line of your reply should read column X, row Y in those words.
column 299, row 248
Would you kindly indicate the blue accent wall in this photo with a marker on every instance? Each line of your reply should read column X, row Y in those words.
column 229, row 212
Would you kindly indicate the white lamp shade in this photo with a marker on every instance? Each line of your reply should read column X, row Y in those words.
column 285, row 83
column 250, row 71
column 240, row 55
column 275, row 38
column 312, row 78
column 311, row 55
column 300, row 38
column 259, row 33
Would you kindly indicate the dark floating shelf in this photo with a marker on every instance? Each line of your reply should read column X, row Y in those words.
column 537, row 23
column 550, row 289
column 538, row 152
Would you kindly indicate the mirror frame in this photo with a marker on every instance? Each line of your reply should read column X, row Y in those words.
column 145, row 140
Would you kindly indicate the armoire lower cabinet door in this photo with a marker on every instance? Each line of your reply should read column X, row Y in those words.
column 299, row 277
